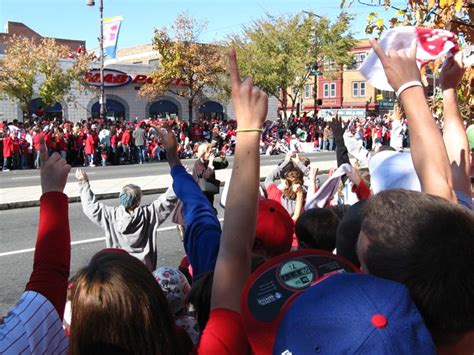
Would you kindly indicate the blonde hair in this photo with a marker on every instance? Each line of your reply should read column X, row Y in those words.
column 203, row 148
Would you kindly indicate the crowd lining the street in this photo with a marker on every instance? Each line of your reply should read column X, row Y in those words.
column 294, row 269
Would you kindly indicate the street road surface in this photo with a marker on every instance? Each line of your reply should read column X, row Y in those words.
column 18, row 228
column 20, row 178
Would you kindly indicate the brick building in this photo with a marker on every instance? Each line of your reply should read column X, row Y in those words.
column 344, row 89
column 20, row 29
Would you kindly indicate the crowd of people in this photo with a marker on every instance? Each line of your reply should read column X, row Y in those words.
column 378, row 262
column 97, row 142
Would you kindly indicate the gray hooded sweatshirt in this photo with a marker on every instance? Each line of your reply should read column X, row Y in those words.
column 134, row 232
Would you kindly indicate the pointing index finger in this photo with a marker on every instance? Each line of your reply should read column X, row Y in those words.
column 43, row 151
column 234, row 70
column 379, row 51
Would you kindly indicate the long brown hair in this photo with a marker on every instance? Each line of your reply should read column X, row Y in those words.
column 118, row 307
column 292, row 177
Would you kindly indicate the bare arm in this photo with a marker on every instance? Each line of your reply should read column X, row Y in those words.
column 454, row 135
column 426, row 140
column 233, row 261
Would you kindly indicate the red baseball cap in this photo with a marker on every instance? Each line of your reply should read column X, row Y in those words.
column 275, row 228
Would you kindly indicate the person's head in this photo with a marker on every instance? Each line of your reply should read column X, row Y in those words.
column 130, row 197
column 118, row 306
column 274, row 230
column 203, row 151
column 291, row 178
column 316, row 229
column 427, row 243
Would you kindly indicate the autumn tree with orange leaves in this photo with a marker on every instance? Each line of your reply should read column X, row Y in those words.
column 187, row 67
column 27, row 60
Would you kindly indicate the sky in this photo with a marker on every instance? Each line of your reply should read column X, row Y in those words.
column 73, row 19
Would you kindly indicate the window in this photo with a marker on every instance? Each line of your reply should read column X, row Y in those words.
column 326, row 90
column 308, row 91
column 329, row 89
column 329, row 65
column 137, row 62
column 357, row 61
column 358, row 88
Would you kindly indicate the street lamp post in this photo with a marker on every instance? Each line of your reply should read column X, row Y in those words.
column 101, row 44
column 315, row 70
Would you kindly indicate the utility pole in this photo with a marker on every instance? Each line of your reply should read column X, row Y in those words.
column 101, row 44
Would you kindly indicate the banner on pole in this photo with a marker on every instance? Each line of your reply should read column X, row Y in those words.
column 111, row 33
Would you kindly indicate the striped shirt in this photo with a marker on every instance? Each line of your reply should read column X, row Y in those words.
column 33, row 326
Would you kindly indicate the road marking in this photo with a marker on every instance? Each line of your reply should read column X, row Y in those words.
column 78, row 242
column 25, row 177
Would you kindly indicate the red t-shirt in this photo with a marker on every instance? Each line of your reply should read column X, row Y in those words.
column 224, row 334
column 273, row 193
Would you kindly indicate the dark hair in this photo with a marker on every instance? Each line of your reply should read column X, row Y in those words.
column 316, row 229
column 118, row 305
column 348, row 233
column 200, row 298
column 426, row 243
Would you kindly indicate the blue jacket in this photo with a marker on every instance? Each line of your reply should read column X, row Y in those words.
column 203, row 230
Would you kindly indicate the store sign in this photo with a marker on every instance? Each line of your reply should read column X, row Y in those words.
column 116, row 78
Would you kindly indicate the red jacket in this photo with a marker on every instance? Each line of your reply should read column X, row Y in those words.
column 7, row 147
column 36, row 141
column 90, row 144
column 126, row 137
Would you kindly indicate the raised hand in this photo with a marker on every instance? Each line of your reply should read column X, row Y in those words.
column 452, row 72
column 171, row 146
column 169, row 140
column 337, row 126
column 354, row 176
column 54, row 170
column 81, row 175
column 250, row 103
column 399, row 67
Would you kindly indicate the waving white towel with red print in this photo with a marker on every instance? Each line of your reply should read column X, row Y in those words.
column 432, row 44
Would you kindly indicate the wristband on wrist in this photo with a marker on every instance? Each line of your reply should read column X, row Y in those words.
column 408, row 85
column 249, row 130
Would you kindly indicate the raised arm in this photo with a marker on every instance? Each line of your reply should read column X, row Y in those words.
column 240, row 218
column 428, row 152
column 97, row 212
column 203, row 230
column 454, row 135
column 164, row 205
column 53, row 245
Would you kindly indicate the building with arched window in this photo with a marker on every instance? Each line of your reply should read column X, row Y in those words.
column 123, row 78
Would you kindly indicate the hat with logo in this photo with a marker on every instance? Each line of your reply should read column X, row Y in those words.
column 353, row 313
column 275, row 228
column 272, row 288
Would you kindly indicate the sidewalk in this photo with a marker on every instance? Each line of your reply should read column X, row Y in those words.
column 22, row 197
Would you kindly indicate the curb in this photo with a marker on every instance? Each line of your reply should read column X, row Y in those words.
column 99, row 196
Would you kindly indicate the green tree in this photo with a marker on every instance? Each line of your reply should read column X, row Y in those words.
column 281, row 52
column 27, row 60
column 187, row 68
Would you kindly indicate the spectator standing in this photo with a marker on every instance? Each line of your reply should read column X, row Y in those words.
column 139, row 135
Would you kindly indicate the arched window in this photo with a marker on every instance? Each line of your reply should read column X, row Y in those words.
column 113, row 109
column 162, row 109
column 38, row 108
column 211, row 110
